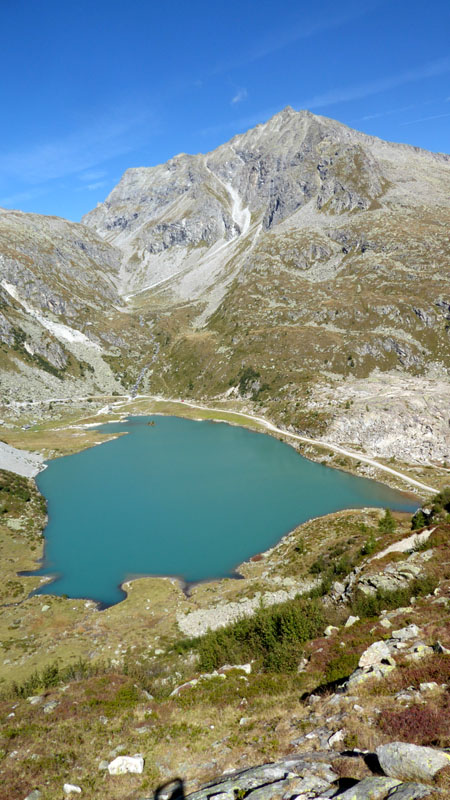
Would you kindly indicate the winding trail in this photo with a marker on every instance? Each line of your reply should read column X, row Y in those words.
column 261, row 420
column 320, row 442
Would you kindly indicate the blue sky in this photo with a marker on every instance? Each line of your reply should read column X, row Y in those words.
column 89, row 88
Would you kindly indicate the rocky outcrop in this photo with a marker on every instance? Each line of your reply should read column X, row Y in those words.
column 379, row 658
column 396, row 575
column 316, row 775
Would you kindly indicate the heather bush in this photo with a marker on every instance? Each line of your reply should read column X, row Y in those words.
column 419, row 724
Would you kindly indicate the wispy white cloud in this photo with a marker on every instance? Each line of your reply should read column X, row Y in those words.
column 348, row 93
column 78, row 151
column 240, row 95
column 92, row 187
column 388, row 113
column 301, row 29
column 93, row 175
column 424, row 119
column 14, row 200
column 336, row 96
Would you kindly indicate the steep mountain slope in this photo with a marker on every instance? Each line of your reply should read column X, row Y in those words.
column 57, row 293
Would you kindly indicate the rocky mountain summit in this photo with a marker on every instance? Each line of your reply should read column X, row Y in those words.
column 298, row 169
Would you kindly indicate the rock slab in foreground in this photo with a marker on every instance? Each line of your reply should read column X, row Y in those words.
column 409, row 762
column 370, row 789
column 413, row 791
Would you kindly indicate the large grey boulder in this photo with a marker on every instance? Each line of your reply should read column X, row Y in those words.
column 409, row 762
column 369, row 789
column 412, row 791
column 377, row 653
column 308, row 772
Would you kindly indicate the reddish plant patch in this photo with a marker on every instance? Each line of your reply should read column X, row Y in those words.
column 420, row 724
column 435, row 668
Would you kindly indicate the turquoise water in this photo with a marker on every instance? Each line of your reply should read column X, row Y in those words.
column 186, row 498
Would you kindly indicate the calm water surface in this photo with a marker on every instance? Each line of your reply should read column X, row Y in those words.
column 185, row 498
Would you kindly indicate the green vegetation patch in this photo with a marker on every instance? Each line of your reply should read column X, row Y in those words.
column 273, row 637
column 371, row 605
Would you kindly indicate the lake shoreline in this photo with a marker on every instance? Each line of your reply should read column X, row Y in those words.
column 293, row 476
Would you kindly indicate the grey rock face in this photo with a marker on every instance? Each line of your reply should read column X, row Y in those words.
column 413, row 791
column 409, row 762
column 6, row 331
column 55, row 265
column 274, row 780
column 369, row 789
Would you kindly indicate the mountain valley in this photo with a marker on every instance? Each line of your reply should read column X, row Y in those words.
column 296, row 280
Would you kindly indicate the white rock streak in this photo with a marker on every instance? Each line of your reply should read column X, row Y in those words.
column 62, row 332
column 241, row 216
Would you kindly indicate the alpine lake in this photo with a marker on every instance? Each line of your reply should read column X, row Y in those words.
column 184, row 498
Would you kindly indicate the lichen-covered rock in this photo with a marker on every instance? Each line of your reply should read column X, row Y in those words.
column 270, row 792
column 409, row 762
column 410, row 632
column 375, row 788
column 310, row 783
column 413, row 791
column 274, row 780
column 377, row 653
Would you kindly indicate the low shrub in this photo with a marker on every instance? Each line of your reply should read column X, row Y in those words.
column 371, row 605
column 53, row 675
column 435, row 668
column 387, row 524
column 273, row 637
column 341, row 667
